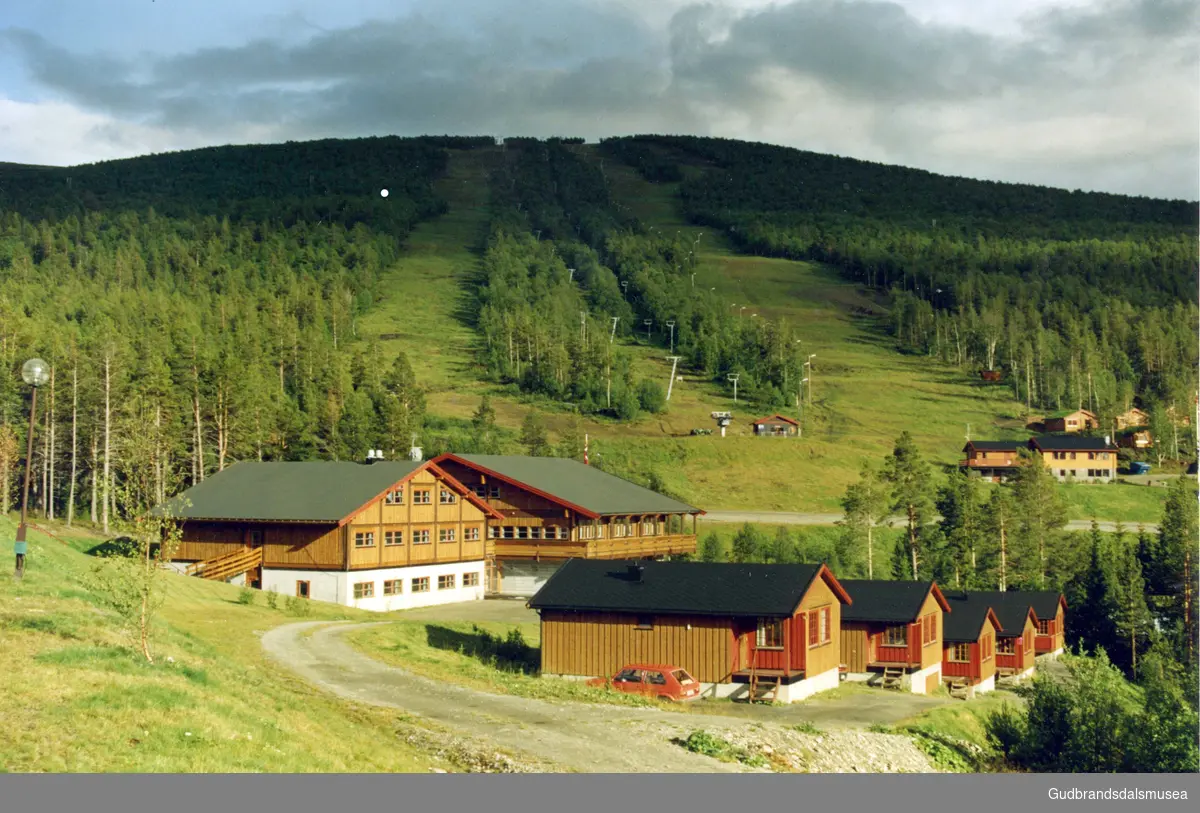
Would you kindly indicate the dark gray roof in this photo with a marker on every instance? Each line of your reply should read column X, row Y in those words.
column 1072, row 443
column 967, row 615
column 1044, row 602
column 676, row 588
column 997, row 445
column 892, row 602
column 287, row 492
column 586, row 487
column 1011, row 609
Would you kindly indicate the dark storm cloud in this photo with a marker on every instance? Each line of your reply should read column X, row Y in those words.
column 571, row 68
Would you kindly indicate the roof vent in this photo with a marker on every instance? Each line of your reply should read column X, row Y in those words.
column 1108, row 440
column 374, row 454
column 635, row 572
column 415, row 454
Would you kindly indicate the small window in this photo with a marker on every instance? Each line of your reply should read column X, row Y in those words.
column 494, row 492
column 1043, row 626
column 896, row 635
column 364, row 539
column 303, row 589
column 364, row 590
column 470, row 580
column 535, row 533
column 421, row 537
column 447, row 497
column 770, row 634
column 656, row 678
column 420, row 585
column 930, row 629
column 509, row 532
column 471, row 534
column 392, row 587
column 421, row 496
column 493, row 532
column 522, row 532
column 446, row 535
column 645, row 622
column 446, row 582
column 826, row 632
column 1007, row 646
column 481, row 491
column 1091, row 455
column 960, row 653
column 391, row 538
column 256, row 537
column 395, row 496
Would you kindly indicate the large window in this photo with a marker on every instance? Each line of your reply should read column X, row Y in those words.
column 364, row 539
column 896, row 635
column 421, row 496
column 770, row 633
column 364, row 590
column 960, row 653
column 1007, row 646
column 819, row 631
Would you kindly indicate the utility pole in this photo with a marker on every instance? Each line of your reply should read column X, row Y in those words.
column 734, row 379
column 808, row 364
column 647, row 323
column 671, row 324
column 800, row 406
column 583, row 326
column 611, row 338
column 674, row 363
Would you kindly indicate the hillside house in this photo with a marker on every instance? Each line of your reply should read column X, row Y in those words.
column 779, row 426
column 1131, row 418
column 1077, row 458
column 379, row 536
column 1050, row 607
column 892, row 631
column 554, row 509
column 993, row 459
column 969, row 645
column 1141, row 439
column 762, row 632
column 1077, row 420
column 1015, row 641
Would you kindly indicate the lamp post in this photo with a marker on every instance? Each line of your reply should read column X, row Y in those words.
column 35, row 372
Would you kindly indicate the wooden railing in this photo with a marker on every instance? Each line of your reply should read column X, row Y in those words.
column 227, row 566
column 622, row 548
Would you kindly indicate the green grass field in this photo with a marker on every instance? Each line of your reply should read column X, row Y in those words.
column 76, row 700
column 864, row 392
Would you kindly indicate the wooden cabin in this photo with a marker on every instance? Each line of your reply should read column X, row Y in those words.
column 1077, row 420
column 969, row 645
column 1131, row 418
column 892, row 633
column 753, row 631
column 1050, row 608
column 1015, row 642
column 379, row 536
column 554, row 509
column 1140, row 439
column 777, row 426
column 1077, row 458
column 994, row 460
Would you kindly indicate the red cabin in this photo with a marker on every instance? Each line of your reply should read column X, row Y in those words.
column 1050, row 607
column 969, row 645
column 1015, row 642
column 893, row 631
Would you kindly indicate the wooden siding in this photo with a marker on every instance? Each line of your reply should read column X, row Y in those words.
column 823, row 657
column 854, row 647
column 295, row 545
column 976, row 669
column 930, row 653
column 598, row 644
column 1053, row 641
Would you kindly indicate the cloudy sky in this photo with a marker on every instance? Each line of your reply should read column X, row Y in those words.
column 1091, row 94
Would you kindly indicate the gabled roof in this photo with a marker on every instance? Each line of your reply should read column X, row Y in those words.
column 964, row 623
column 313, row 491
column 776, row 417
column 996, row 445
column 1045, row 603
column 1011, row 608
column 1065, row 413
column 891, row 602
column 573, row 485
column 1072, row 443
column 682, row 588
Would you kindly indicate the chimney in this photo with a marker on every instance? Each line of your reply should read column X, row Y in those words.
column 1108, row 440
column 635, row 572
column 415, row 454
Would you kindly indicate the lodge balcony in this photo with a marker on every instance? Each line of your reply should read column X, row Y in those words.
column 636, row 547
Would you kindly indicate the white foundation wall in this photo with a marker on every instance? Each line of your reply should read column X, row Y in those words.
column 809, row 686
column 985, row 686
column 915, row 682
column 337, row 587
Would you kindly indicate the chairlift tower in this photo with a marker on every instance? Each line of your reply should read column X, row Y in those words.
column 723, row 419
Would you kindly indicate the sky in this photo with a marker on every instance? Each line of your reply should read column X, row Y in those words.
column 1082, row 94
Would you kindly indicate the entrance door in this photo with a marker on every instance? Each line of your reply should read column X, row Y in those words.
column 254, row 540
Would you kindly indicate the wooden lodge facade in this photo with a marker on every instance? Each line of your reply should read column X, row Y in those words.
column 778, row 426
column 762, row 632
column 969, row 645
column 1079, row 420
column 1068, row 457
column 892, row 633
column 553, row 509
column 379, row 536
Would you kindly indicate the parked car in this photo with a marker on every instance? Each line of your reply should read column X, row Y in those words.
column 660, row 681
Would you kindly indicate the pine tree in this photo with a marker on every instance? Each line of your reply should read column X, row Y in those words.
column 1176, row 566
column 911, row 480
column 963, row 524
column 901, row 561
column 782, row 549
column 1132, row 619
column 483, row 427
column 570, row 445
column 748, row 544
column 1041, row 516
column 533, row 435
column 711, row 549
column 1094, row 600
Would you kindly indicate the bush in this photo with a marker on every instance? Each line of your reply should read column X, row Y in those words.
column 710, row 745
column 651, row 397
column 1005, row 730
column 246, row 596
column 272, row 599
column 294, row 605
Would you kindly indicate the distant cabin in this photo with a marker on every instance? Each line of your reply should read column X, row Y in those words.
column 776, row 426
column 552, row 509
column 969, row 645
column 1075, row 421
column 1141, row 439
column 1133, row 417
column 379, row 536
column 993, row 459
column 1016, row 640
column 767, row 632
column 892, row 633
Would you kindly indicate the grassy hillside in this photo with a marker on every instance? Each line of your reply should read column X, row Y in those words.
column 75, row 700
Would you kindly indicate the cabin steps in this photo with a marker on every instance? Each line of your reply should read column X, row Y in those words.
column 959, row 688
column 763, row 691
column 893, row 677
column 228, row 566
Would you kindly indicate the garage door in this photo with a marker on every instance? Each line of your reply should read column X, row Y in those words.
column 525, row 578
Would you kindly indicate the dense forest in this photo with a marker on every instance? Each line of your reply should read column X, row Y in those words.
column 1081, row 299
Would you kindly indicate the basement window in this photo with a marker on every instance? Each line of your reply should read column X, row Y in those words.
column 446, row 582
column 303, row 589
column 420, row 585
column 392, row 587
column 364, row 590
column 770, row 634
column 645, row 622
column 470, row 580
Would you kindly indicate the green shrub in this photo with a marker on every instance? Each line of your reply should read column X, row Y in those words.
column 806, row 727
column 710, row 745
column 246, row 595
column 294, row 605
column 272, row 599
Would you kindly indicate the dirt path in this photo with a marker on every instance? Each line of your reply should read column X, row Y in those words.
column 789, row 518
column 577, row 737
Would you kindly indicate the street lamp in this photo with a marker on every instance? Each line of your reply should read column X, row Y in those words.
column 35, row 373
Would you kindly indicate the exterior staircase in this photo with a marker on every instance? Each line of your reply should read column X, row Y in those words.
column 763, row 691
column 959, row 688
column 228, row 566
column 893, row 677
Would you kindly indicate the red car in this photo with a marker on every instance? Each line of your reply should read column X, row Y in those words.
column 660, row 681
